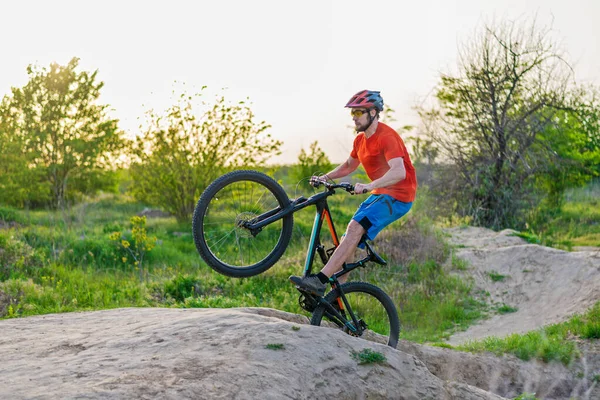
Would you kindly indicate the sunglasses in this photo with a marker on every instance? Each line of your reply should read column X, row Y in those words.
column 357, row 113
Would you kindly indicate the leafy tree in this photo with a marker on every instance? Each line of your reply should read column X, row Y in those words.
column 310, row 163
column 573, row 139
column 20, row 181
column 179, row 153
column 499, row 125
column 65, row 135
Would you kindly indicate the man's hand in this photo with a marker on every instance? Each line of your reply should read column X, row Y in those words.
column 360, row 188
column 316, row 180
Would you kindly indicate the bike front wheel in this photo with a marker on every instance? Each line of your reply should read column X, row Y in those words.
column 374, row 311
column 227, row 246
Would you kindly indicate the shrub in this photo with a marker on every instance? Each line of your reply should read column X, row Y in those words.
column 7, row 304
column 414, row 242
column 138, row 246
column 313, row 162
column 9, row 215
column 368, row 356
column 16, row 257
column 182, row 286
column 92, row 251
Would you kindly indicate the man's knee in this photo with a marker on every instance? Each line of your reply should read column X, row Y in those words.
column 355, row 230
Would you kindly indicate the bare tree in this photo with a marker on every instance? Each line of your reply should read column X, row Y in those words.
column 489, row 120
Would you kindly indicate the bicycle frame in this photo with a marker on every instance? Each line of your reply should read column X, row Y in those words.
column 323, row 214
column 315, row 246
column 344, row 304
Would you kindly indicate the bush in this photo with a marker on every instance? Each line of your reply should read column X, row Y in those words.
column 7, row 304
column 9, row 215
column 414, row 242
column 90, row 251
column 313, row 162
column 17, row 259
column 180, row 152
column 182, row 286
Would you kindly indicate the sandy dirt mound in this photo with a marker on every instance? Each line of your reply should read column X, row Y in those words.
column 145, row 353
column 509, row 376
column 540, row 284
column 203, row 354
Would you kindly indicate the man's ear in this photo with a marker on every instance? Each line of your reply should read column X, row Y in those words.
column 373, row 112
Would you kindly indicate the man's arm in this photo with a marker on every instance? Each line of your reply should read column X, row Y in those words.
column 344, row 169
column 395, row 174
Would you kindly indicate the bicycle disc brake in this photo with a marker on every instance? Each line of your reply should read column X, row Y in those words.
column 240, row 228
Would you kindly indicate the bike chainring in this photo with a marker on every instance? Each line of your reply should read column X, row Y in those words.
column 308, row 302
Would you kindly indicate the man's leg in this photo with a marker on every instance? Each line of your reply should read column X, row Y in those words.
column 350, row 259
column 345, row 250
column 315, row 284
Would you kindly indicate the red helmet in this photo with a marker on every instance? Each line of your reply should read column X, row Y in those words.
column 366, row 99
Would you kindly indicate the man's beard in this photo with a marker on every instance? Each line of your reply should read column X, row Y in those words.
column 362, row 127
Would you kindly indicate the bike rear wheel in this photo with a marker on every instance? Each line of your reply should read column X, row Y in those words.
column 373, row 308
column 229, row 248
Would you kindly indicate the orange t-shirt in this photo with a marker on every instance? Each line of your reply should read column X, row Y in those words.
column 374, row 154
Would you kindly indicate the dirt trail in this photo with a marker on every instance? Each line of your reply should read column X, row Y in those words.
column 146, row 353
column 543, row 285
column 153, row 353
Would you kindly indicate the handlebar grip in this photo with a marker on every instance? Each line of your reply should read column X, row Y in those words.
column 315, row 183
column 365, row 191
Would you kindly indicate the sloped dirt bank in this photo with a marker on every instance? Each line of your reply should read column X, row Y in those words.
column 203, row 353
column 541, row 285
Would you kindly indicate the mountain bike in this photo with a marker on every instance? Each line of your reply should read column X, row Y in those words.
column 242, row 225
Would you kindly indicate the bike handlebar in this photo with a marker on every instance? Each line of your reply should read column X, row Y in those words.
column 348, row 187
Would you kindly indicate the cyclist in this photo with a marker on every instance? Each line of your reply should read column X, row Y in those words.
column 393, row 184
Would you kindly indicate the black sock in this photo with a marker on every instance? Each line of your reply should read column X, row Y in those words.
column 322, row 277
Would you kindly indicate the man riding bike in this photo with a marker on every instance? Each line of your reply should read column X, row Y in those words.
column 393, row 184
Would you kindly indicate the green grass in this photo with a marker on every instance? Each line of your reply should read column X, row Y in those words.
column 368, row 356
column 533, row 345
column 526, row 396
column 433, row 303
column 577, row 223
column 63, row 289
column 504, row 309
column 496, row 277
column 70, row 264
column 64, row 261
column 275, row 346
column 552, row 343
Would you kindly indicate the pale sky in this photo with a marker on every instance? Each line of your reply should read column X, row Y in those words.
column 298, row 62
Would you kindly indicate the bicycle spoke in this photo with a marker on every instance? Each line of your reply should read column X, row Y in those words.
column 234, row 203
column 241, row 258
column 375, row 316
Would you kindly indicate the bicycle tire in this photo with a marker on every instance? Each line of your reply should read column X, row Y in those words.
column 379, row 308
column 215, row 221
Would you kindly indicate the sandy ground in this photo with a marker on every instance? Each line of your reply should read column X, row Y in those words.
column 145, row 353
column 543, row 285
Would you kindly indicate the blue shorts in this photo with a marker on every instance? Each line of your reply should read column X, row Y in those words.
column 378, row 211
